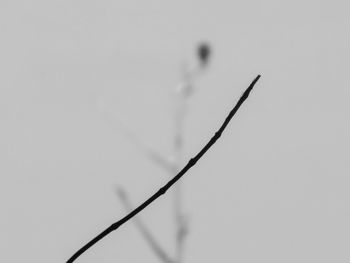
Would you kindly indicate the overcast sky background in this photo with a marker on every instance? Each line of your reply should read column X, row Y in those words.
column 275, row 188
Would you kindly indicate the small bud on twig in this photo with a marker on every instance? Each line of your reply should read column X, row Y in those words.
column 203, row 53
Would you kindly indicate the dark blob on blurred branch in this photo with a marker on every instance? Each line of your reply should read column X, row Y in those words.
column 203, row 53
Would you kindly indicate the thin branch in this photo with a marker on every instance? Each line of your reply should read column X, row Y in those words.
column 157, row 249
column 181, row 226
column 150, row 153
column 170, row 183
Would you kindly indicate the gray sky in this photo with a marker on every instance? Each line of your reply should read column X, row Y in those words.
column 273, row 189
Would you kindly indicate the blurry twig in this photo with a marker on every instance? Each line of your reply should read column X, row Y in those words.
column 147, row 151
column 155, row 246
column 170, row 183
column 184, row 91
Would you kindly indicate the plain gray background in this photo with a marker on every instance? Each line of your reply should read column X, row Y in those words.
column 273, row 189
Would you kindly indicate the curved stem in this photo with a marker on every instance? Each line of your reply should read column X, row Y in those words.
column 170, row 183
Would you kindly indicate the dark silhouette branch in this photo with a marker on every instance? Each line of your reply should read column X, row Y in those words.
column 155, row 246
column 170, row 183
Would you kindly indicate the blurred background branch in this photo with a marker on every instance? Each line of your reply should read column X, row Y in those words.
column 183, row 91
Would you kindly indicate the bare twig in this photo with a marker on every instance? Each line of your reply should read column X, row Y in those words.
column 181, row 227
column 151, row 154
column 170, row 183
column 155, row 246
column 147, row 151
